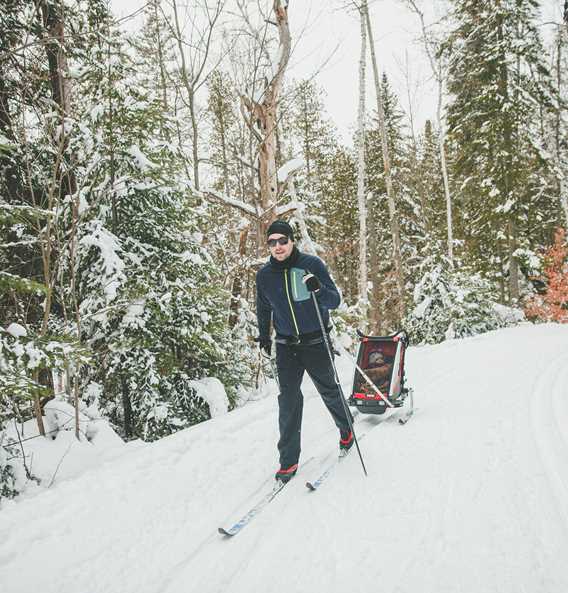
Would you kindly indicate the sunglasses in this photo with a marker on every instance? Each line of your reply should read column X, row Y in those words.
column 280, row 241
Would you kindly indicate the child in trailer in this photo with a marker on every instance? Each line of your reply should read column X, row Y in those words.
column 378, row 370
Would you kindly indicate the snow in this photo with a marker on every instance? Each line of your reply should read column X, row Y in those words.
column 16, row 330
column 421, row 307
column 83, row 205
column 113, row 266
column 142, row 161
column 509, row 315
column 60, row 456
column 213, row 392
column 289, row 167
column 134, row 314
column 289, row 206
column 229, row 200
column 471, row 495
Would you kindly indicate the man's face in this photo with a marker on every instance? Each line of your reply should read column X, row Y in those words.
column 277, row 251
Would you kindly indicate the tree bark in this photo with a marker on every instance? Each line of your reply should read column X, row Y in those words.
column 126, row 409
column 264, row 117
column 393, row 215
column 237, row 285
column 193, row 80
column 438, row 75
column 374, row 264
column 361, row 195
column 163, row 79
column 63, row 179
column 507, row 173
column 562, row 190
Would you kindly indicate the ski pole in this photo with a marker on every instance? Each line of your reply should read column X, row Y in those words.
column 336, row 377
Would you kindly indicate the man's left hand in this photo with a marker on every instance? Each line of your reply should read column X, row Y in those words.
column 312, row 282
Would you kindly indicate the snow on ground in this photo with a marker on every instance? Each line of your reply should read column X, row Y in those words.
column 61, row 456
column 470, row 496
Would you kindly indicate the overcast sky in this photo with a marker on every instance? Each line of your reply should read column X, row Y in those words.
column 327, row 42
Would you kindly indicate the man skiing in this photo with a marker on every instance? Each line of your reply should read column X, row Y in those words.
column 283, row 287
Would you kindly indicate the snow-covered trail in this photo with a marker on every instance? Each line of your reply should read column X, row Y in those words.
column 470, row 496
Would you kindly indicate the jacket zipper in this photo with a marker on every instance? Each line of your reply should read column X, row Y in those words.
column 290, row 301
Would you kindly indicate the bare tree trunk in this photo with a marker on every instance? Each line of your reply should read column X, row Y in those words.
column 193, row 77
column 63, row 180
column 264, row 116
column 163, row 78
column 361, row 195
column 562, row 190
column 190, row 89
column 126, row 408
column 393, row 215
column 237, row 285
column 374, row 265
column 513, row 262
column 441, row 148
column 440, row 123
column 507, row 168
column 224, row 154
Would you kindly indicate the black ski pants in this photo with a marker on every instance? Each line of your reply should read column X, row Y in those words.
column 292, row 361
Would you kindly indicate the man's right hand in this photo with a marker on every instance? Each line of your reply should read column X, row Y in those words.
column 266, row 345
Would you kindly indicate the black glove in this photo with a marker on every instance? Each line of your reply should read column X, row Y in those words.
column 312, row 282
column 266, row 345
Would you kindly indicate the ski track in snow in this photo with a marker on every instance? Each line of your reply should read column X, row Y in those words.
column 471, row 496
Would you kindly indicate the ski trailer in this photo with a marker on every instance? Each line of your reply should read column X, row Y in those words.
column 379, row 379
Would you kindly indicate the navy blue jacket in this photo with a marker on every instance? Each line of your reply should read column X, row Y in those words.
column 282, row 295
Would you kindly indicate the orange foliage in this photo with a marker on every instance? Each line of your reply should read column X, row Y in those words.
column 553, row 305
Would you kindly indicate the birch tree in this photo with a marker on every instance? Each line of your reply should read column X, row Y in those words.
column 393, row 216
column 194, row 55
column 560, row 147
column 360, row 143
column 435, row 59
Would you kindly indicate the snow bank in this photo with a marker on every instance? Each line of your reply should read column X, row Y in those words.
column 59, row 456
column 213, row 392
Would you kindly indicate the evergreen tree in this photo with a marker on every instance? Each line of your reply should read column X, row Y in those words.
column 498, row 84
column 451, row 304
column 154, row 56
column 309, row 135
column 36, row 179
column 313, row 134
column 222, row 110
column 150, row 296
column 337, row 214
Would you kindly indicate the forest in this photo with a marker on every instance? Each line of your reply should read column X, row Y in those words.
column 139, row 171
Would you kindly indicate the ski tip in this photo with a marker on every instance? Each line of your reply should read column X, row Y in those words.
column 310, row 486
column 224, row 532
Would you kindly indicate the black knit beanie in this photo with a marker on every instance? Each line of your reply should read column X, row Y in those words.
column 281, row 227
